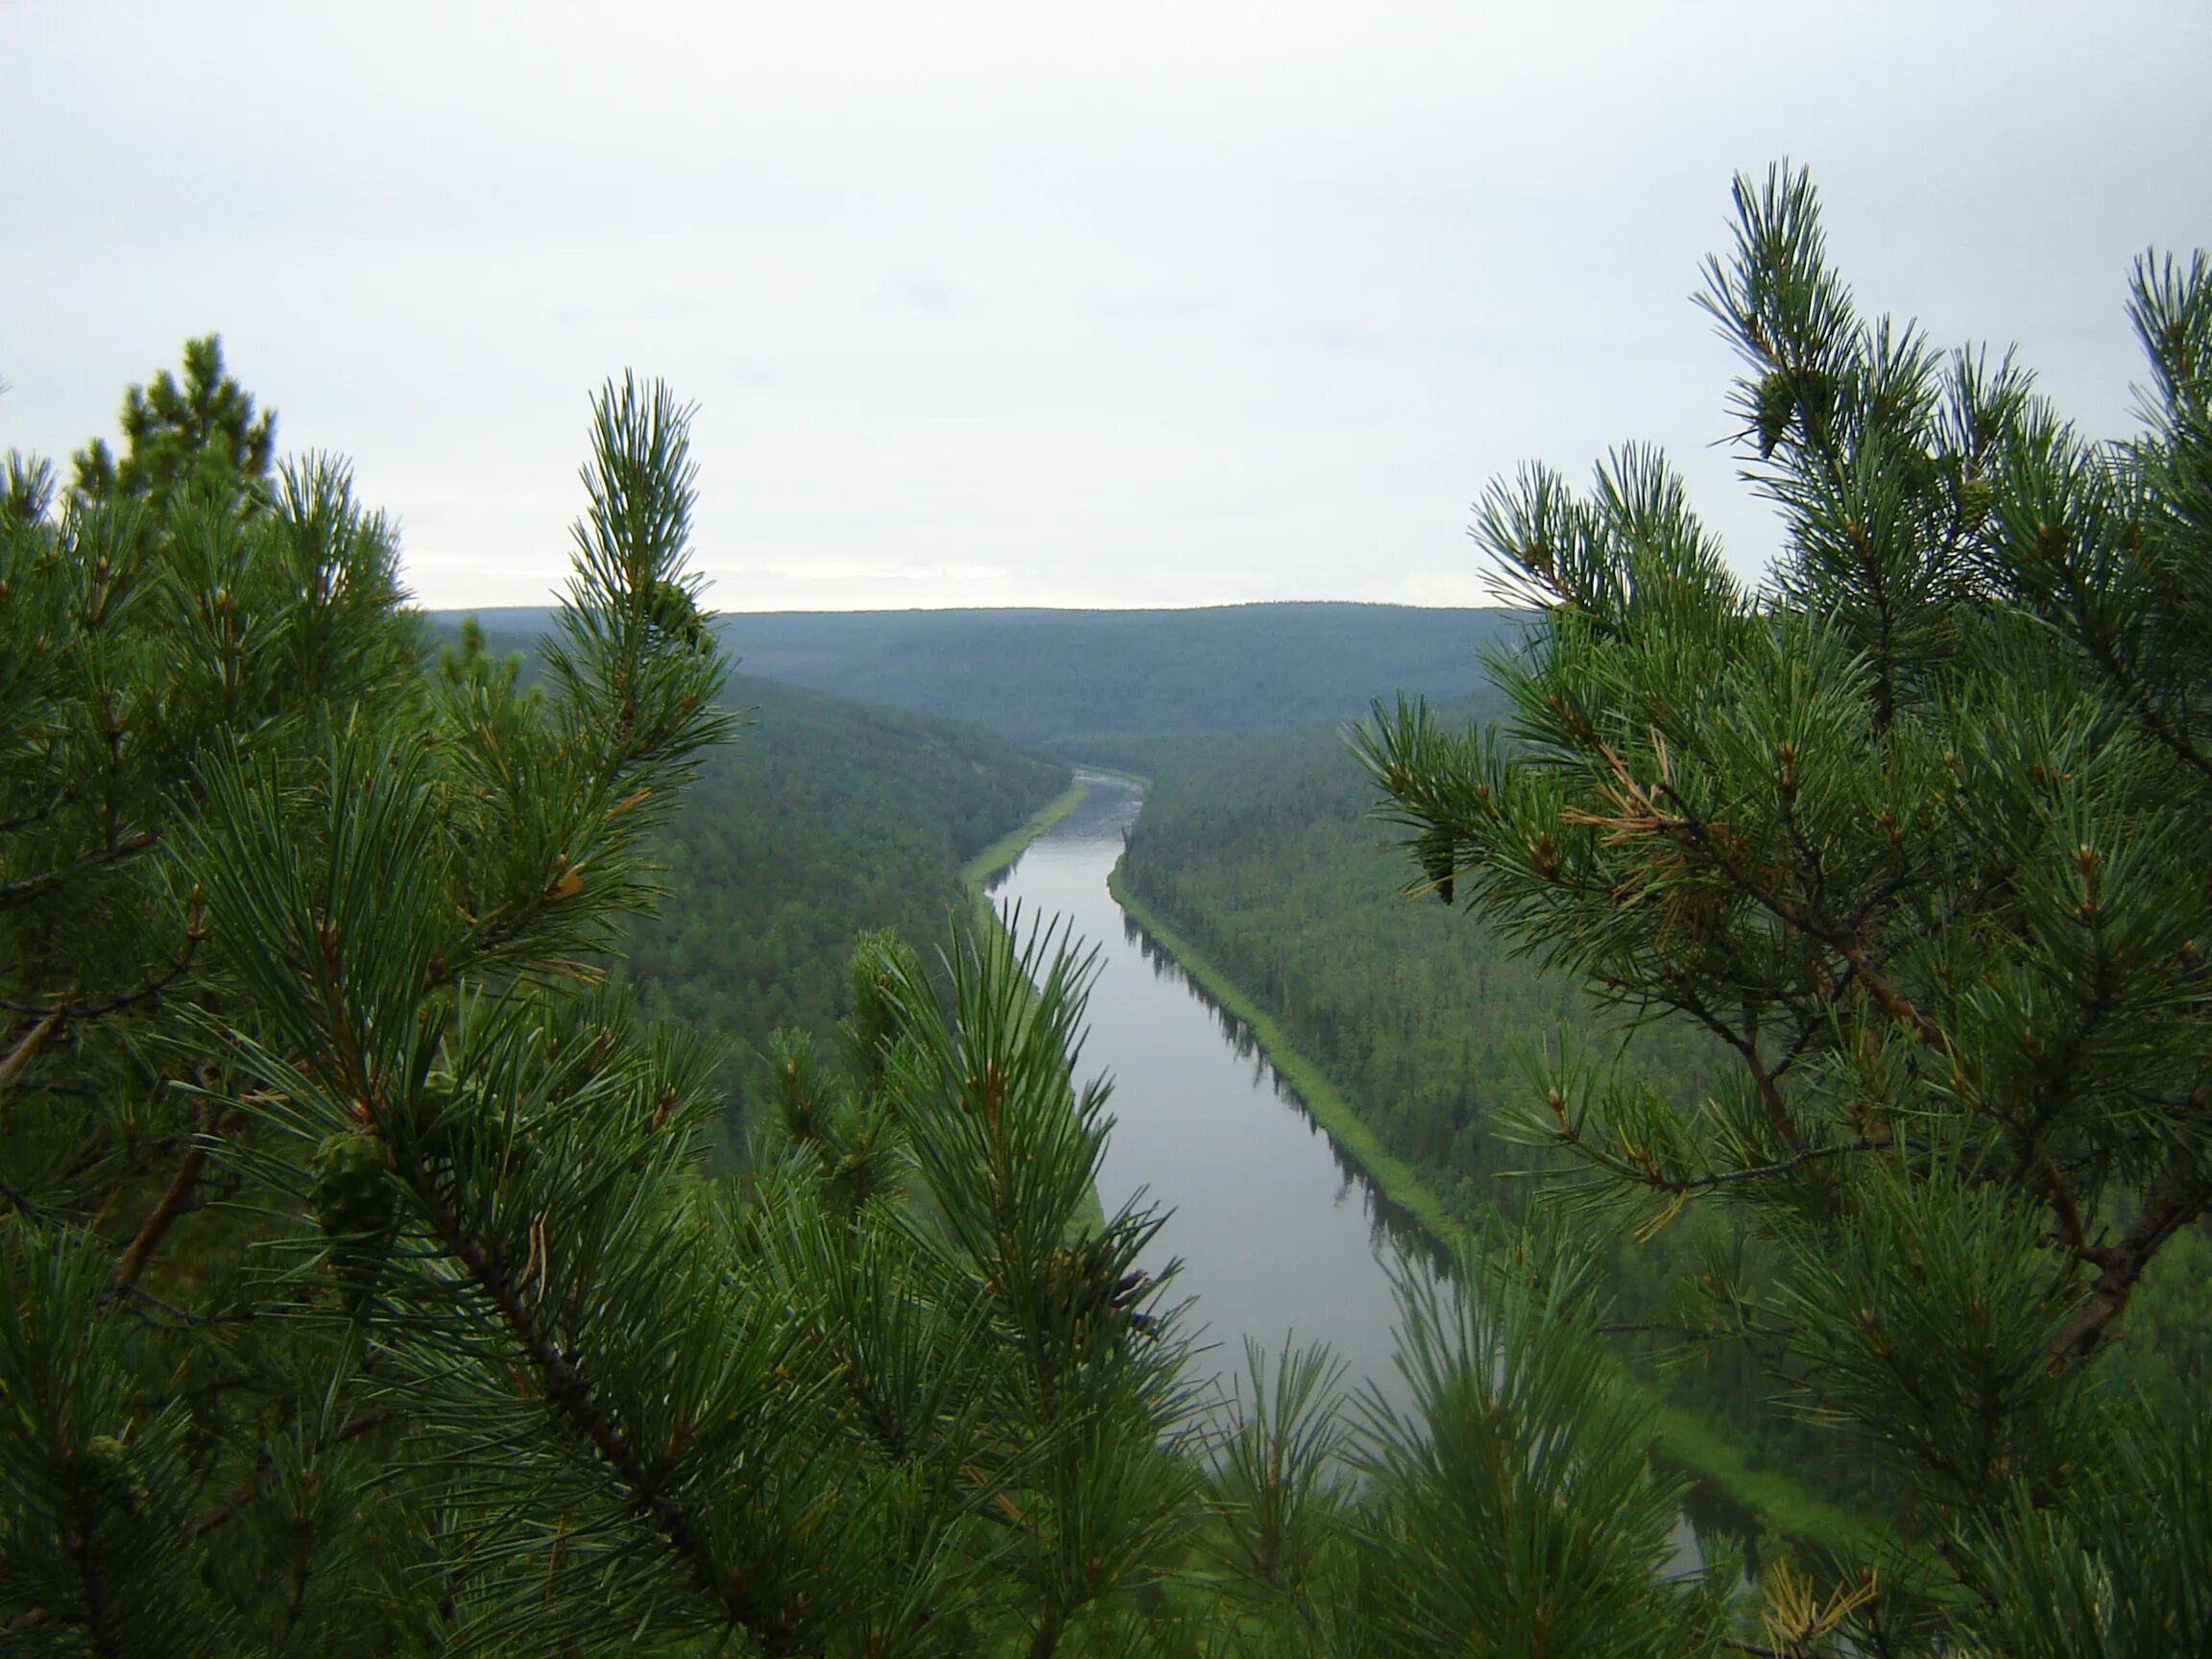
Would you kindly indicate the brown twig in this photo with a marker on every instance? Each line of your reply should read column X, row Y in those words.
column 571, row 1393
column 164, row 1213
column 195, row 929
column 1684, row 1186
column 30, row 887
column 27, row 1050
column 2181, row 1193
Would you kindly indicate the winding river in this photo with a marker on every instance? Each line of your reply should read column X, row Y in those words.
column 1278, row 1234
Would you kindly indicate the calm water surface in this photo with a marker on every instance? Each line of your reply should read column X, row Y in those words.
column 1279, row 1236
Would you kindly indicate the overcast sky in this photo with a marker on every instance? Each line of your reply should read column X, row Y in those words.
column 1112, row 305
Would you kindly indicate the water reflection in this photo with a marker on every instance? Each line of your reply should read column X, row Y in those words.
column 1393, row 1230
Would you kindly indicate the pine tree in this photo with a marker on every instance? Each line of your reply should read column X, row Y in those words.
column 200, row 433
column 1916, row 830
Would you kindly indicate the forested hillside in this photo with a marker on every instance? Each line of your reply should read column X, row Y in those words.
column 1264, row 851
column 1062, row 676
column 819, row 819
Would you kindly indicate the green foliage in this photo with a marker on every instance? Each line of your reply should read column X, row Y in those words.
column 1518, row 1509
column 2080, row 1581
column 90, row 1476
column 1262, row 851
column 199, row 435
column 828, row 821
column 1917, row 831
column 1280, row 1482
column 365, row 1285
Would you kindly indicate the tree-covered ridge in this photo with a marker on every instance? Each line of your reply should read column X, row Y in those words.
column 826, row 819
column 829, row 819
column 1263, row 852
column 1062, row 677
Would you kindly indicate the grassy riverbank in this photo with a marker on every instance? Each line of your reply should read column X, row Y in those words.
column 975, row 875
column 1687, row 1440
column 1323, row 1101
column 1678, row 1434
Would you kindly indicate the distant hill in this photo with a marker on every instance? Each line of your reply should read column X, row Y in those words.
column 1061, row 677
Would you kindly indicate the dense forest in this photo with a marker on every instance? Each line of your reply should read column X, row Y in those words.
column 1265, row 852
column 370, row 1282
column 1066, row 678
column 821, row 820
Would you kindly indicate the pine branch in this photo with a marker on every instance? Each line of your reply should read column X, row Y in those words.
column 571, row 1392
column 2181, row 1193
column 26, row 1205
column 23, row 888
column 172, row 1205
column 1845, row 942
column 26, row 1049
column 1747, row 1048
column 69, row 1012
column 89, row 1581
column 1645, row 1174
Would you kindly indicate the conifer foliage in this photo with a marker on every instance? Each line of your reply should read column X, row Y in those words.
column 1917, row 829
column 364, row 1287
column 369, row 1284
column 201, row 433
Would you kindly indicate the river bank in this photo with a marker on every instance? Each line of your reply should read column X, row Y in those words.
column 975, row 875
column 1323, row 1102
column 1680, row 1435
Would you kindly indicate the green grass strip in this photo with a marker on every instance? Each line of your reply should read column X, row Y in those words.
column 1679, row 1434
column 1323, row 1101
column 977, row 872
column 1685, row 1439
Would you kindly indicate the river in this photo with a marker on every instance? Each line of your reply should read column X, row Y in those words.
column 1278, row 1234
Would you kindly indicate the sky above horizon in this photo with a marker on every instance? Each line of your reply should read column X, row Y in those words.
column 997, row 304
